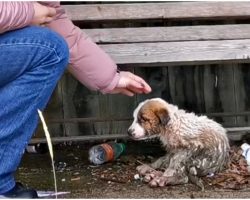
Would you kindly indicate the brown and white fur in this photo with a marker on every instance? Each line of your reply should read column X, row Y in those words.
column 195, row 145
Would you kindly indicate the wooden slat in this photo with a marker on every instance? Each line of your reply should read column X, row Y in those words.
column 167, row 34
column 218, row 84
column 87, row 137
column 173, row 53
column 70, row 120
column 242, row 92
column 235, row 133
column 167, row 10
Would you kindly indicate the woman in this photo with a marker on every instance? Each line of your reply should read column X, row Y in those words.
column 33, row 57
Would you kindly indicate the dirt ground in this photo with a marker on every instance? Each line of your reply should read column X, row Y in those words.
column 75, row 174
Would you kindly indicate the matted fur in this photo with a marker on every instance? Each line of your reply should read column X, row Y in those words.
column 195, row 145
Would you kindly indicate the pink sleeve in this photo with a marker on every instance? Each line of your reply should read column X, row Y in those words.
column 88, row 62
column 14, row 15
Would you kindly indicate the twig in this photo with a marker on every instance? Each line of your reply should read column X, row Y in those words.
column 146, row 164
column 113, row 180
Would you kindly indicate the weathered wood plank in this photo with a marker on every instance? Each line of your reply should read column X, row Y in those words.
column 186, row 86
column 119, row 106
column 242, row 92
column 175, row 53
column 130, row 118
column 69, row 85
column 167, row 10
column 81, row 103
column 160, row 46
column 114, row 106
column 218, row 91
column 157, row 78
column 169, row 34
column 54, row 110
column 235, row 133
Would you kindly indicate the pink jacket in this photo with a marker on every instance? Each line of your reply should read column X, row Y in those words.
column 88, row 62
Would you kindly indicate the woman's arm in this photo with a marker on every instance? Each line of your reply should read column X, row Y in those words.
column 14, row 15
column 88, row 62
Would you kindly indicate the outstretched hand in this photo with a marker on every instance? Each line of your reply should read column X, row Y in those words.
column 130, row 84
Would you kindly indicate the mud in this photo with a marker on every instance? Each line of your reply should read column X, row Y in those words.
column 111, row 180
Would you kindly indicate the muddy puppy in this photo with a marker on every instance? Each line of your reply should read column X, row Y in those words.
column 196, row 146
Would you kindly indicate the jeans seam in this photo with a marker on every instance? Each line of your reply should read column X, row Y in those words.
column 34, row 45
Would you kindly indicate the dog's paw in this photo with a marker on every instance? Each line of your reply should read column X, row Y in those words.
column 163, row 180
column 150, row 176
column 144, row 169
column 159, row 181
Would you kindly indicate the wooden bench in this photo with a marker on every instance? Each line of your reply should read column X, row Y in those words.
column 176, row 36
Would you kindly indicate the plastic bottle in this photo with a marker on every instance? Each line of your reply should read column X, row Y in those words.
column 39, row 148
column 105, row 152
column 246, row 152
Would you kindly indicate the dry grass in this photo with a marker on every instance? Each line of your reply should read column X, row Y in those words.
column 48, row 138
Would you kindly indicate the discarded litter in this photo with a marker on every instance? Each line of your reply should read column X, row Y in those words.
column 61, row 166
column 106, row 152
column 50, row 193
column 45, row 194
column 75, row 179
column 39, row 148
column 137, row 177
column 246, row 152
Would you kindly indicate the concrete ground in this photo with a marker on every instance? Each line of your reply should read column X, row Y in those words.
column 111, row 180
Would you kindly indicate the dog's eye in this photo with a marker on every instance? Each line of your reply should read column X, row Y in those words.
column 142, row 119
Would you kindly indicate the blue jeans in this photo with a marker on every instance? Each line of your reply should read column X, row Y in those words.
column 32, row 61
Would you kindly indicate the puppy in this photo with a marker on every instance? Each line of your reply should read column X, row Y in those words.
column 196, row 146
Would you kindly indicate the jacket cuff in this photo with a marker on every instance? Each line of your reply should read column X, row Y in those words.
column 112, row 85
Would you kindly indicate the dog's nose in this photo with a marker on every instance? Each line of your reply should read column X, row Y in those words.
column 131, row 132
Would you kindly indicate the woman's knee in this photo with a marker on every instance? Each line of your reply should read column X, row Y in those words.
column 55, row 41
column 34, row 49
column 38, row 36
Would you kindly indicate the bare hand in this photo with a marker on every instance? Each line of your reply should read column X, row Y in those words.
column 129, row 84
column 43, row 14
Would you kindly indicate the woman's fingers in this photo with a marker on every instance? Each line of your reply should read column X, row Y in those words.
column 133, row 82
column 144, row 85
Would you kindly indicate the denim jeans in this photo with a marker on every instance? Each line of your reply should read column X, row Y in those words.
column 32, row 61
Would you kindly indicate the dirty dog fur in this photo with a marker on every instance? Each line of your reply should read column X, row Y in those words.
column 195, row 145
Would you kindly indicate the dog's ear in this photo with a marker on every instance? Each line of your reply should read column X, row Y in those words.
column 163, row 116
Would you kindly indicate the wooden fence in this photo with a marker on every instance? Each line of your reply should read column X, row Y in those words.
column 221, row 91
